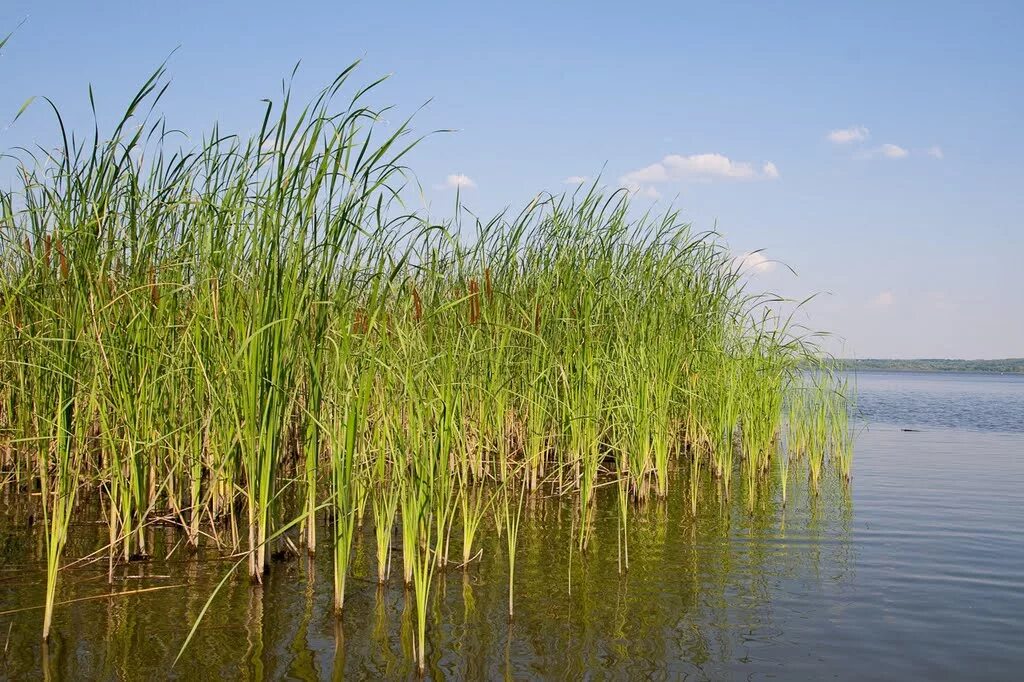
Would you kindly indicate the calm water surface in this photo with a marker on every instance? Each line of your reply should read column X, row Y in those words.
column 916, row 571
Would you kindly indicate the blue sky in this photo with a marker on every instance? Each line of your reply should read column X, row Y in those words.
column 874, row 149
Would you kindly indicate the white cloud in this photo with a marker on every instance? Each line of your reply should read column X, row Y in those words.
column 753, row 262
column 576, row 180
column 935, row 151
column 848, row 135
column 458, row 181
column 639, row 190
column 678, row 168
column 271, row 145
column 886, row 151
column 892, row 151
column 884, row 299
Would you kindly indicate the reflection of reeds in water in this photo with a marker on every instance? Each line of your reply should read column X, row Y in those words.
column 697, row 588
column 234, row 339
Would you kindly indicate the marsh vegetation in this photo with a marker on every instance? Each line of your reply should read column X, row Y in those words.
column 239, row 339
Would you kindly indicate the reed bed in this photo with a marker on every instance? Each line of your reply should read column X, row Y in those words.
column 247, row 334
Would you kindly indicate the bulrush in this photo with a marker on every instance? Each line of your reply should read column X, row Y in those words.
column 65, row 269
column 259, row 381
column 359, row 321
column 474, row 302
column 417, row 304
column 154, row 288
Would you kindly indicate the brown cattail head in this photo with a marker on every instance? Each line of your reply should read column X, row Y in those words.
column 359, row 322
column 154, row 290
column 65, row 269
column 536, row 317
column 46, row 251
column 28, row 246
column 417, row 304
column 487, row 285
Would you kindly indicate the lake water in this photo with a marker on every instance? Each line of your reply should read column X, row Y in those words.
column 915, row 571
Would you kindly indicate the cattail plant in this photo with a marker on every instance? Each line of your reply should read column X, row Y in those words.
column 247, row 338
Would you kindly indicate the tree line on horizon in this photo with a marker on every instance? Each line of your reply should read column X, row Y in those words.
column 1000, row 366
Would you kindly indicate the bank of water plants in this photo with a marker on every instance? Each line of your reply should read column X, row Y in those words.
column 241, row 335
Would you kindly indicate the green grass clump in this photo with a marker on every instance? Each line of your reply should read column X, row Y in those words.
column 246, row 334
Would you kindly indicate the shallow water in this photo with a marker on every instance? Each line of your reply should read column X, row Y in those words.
column 915, row 571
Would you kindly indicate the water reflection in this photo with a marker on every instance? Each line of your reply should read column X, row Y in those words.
column 696, row 598
column 912, row 571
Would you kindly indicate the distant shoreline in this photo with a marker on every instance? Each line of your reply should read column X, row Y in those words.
column 1004, row 366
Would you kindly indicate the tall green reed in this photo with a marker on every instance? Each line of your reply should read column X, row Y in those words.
column 197, row 330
